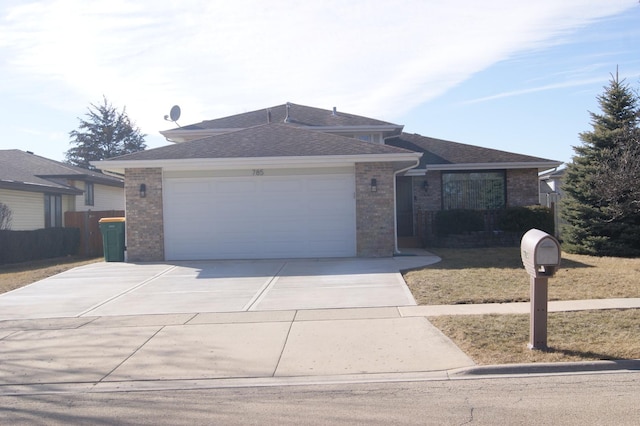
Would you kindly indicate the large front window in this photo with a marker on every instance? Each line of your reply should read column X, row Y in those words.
column 483, row 190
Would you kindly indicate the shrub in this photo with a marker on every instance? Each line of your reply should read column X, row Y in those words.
column 521, row 219
column 459, row 221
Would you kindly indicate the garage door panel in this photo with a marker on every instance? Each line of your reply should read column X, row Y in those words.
column 281, row 185
column 234, row 187
column 281, row 208
column 260, row 217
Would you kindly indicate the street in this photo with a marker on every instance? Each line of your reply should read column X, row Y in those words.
column 609, row 398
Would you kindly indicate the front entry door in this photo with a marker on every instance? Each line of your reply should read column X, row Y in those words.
column 404, row 206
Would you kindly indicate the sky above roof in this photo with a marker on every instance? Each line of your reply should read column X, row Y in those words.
column 518, row 76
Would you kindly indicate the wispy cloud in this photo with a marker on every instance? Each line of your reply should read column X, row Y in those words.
column 530, row 90
column 221, row 57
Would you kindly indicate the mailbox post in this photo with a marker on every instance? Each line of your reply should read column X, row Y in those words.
column 540, row 254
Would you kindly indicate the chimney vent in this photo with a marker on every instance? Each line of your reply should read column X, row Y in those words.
column 286, row 118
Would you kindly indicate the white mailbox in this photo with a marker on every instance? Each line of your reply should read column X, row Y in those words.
column 540, row 253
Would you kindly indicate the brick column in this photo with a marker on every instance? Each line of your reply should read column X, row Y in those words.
column 375, row 226
column 145, row 226
column 522, row 187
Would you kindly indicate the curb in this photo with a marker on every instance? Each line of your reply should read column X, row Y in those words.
column 629, row 365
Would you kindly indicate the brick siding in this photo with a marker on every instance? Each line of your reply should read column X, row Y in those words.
column 145, row 227
column 431, row 199
column 522, row 187
column 375, row 225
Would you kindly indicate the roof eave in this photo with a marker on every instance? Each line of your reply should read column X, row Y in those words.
column 358, row 128
column 253, row 162
column 100, row 180
column 34, row 187
column 183, row 135
column 540, row 165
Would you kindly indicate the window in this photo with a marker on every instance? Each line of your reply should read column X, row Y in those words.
column 366, row 138
column 483, row 190
column 88, row 194
column 52, row 210
column 371, row 137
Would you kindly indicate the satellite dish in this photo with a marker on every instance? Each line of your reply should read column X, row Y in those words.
column 174, row 114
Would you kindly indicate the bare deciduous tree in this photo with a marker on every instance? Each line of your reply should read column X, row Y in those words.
column 616, row 179
column 5, row 216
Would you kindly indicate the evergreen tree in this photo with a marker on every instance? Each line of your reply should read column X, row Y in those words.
column 601, row 184
column 105, row 133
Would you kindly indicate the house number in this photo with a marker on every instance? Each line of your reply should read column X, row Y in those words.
column 258, row 172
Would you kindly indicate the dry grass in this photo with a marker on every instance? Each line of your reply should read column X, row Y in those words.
column 496, row 275
column 18, row 275
column 571, row 336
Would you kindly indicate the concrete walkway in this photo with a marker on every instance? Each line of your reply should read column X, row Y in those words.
column 518, row 308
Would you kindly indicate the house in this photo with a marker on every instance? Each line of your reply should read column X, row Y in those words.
column 38, row 191
column 551, row 194
column 298, row 181
column 551, row 186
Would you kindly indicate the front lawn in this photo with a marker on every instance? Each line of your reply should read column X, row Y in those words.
column 492, row 275
column 18, row 275
column 489, row 275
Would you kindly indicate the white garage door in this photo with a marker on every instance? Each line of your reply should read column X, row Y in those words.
column 260, row 217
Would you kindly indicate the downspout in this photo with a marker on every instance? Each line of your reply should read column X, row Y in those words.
column 395, row 205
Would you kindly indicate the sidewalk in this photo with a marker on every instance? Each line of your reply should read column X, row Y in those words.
column 518, row 308
column 186, row 351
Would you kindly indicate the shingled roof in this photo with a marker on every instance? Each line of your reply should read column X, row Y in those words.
column 22, row 170
column 296, row 115
column 440, row 153
column 266, row 140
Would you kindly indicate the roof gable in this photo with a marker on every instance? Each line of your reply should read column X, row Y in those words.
column 439, row 152
column 266, row 140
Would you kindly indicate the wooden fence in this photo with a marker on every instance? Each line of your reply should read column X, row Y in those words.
column 90, row 236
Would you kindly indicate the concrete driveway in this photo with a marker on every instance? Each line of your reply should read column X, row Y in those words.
column 115, row 289
column 124, row 326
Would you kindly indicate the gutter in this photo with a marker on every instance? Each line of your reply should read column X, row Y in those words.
column 396, row 250
column 494, row 166
column 118, row 166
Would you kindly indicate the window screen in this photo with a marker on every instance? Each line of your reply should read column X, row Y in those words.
column 483, row 190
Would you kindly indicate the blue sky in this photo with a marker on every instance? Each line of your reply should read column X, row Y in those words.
column 518, row 76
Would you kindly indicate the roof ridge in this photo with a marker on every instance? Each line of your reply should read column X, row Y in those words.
column 304, row 115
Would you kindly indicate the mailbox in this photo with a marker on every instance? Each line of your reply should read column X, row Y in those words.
column 540, row 253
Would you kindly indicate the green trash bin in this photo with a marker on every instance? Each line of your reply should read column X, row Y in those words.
column 112, row 229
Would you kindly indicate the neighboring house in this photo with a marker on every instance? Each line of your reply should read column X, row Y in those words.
column 39, row 190
column 551, row 186
column 297, row 181
column 551, row 194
